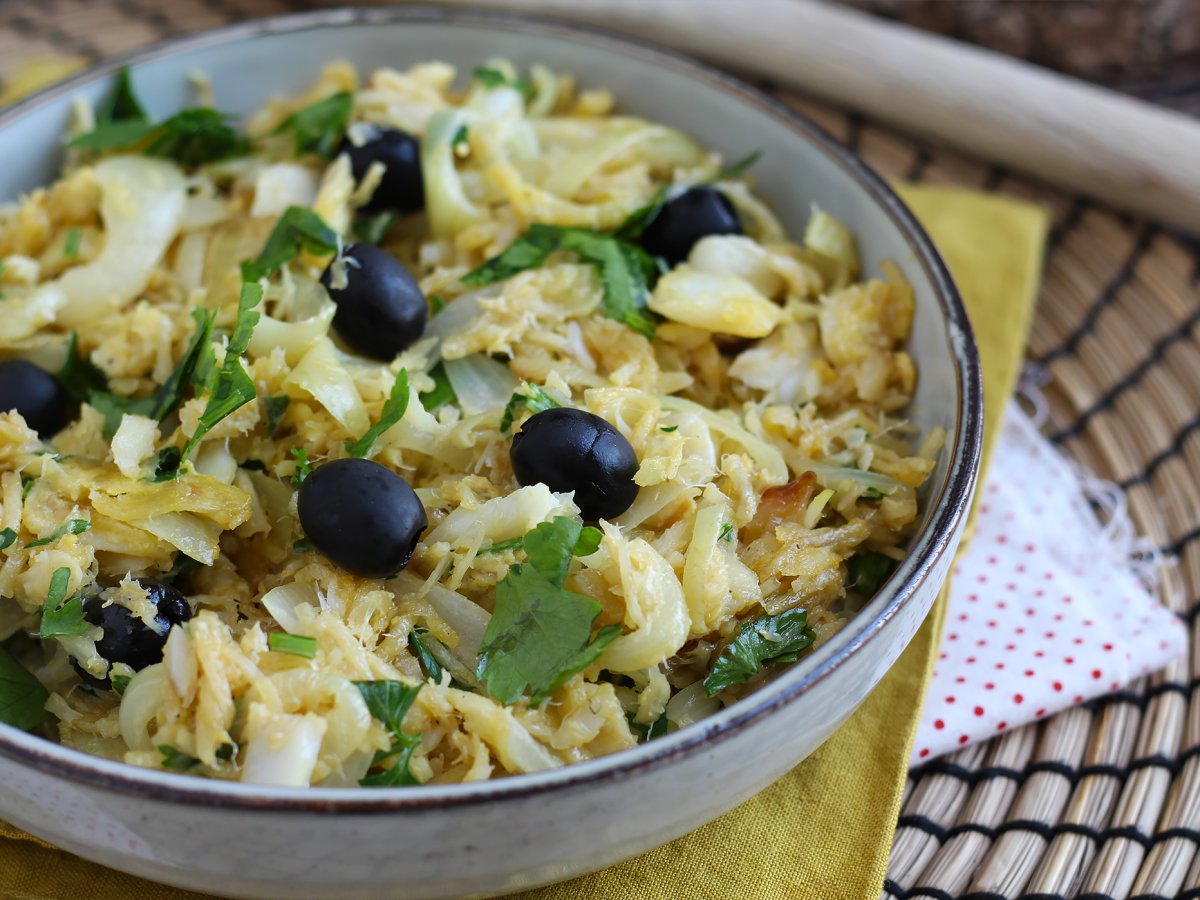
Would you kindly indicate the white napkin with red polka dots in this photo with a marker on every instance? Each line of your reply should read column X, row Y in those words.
column 1048, row 605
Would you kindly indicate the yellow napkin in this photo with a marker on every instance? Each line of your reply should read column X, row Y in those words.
column 824, row 831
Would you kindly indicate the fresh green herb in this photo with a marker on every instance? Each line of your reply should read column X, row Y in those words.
column 7, row 537
column 727, row 532
column 182, row 565
column 78, row 376
column 770, row 639
column 442, row 392
column 303, row 545
column 501, row 546
column 62, row 617
column 540, row 634
column 191, row 137
column 231, row 387
column 494, row 78
column 119, row 683
column 226, row 752
column 735, row 169
column 586, row 544
column 649, row 732
column 275, row 408
column 867, row 571
column 626, row 270
column 303, row 467
column 176, row 760
column 71, row 245
column 27, row 483
column 535, row 400
column 436, row 305
column 873, row 493
column 295, row 644
column 393, row 411
column 74, row 526
column 122, row 104
column 371, row 229
column 317, row 128
column 389, row 702
column 167, row 466
column 22, row 697
column 460, row 138
column 298, row 229
column 669, row 428
column 429, row 664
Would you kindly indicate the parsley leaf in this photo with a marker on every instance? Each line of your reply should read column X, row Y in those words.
column 393, row 411
column 182, row 565
column 649, row 732
column 119, row 683
column 295, row 644
column 733, row 170
column 317, row 127
column 626, row 270
column 586, row 542
column 669, row 428
column 22, row 697
column 429, row 664
column 27, row 482
column 192, row 137
column 303, row 467
column 873, row 493
column 275, row 407
column 298, row 229
column 389, row 702
column 632, row 228
column 7, row 537
column 78, row 376
column 773, row 639
column 167, row 466
column 303, row 545
column 122, row 104
column 71, row 244
column 494, row 78
column 62, row 617
column 460, row 138
column 536, row 401
column 443, row 391
column 372, row 229
column 74, row 526
column 727, row 532
column 176, row 760
column 866, row 572
column 231, row 387
column 501, row 546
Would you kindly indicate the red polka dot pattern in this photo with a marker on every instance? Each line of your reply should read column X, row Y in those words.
column 1044, row 614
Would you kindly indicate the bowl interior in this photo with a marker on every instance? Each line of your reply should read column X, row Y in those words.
column 800, row 167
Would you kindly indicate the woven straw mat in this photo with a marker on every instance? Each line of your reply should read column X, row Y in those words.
column 1101, row 801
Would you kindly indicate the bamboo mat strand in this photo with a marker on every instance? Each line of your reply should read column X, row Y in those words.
column 1101, row 801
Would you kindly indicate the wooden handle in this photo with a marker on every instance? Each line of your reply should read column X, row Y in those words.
column 1117, row 149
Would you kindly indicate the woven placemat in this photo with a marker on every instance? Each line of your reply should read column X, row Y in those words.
column 1101, row 801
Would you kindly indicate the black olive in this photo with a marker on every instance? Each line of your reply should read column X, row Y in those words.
column 362, row 515
column 573, row 450
column 381, row 310
column 402, row 187
column 36, row 395
column 684, row 220
column 127, row 639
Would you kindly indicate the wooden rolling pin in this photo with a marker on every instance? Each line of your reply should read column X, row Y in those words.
column 1122, row 151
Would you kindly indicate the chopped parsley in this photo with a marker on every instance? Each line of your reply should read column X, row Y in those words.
column 62, row 617
column 417, row 646
column 389, row 702
column 649, row 732
column 626, row 270
column 71, row 244
column 501, row 546
column 167, row 466
column 436, row 305
column 119, row 683
column 303, row 467
column 22, row 697
column 176, row 760
column 298, row 229
column 295, row 644
column 867, row 571
column 586, row 544
column 727, row 531
column 669, row 428
column 275, row 407
column 303, row 545
column 442, row 392
column 494, row 78
column 318, row 127
column 74, row 526
column 191, row 137
column 27, row 483
column 372, row 229
column 460, row 138
column 78, row 375
column 393, row 411
column 873, row 493
column 122, row 103
column 7, row 538
column 182, row 565
column 540, row 634
column 535, row 400
column 230, row 387
column 770, row 639
column 733, row 170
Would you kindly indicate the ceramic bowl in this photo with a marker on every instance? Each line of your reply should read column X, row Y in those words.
column 523, row 831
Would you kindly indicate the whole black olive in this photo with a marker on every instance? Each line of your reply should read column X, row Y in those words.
column 362, row 515
column 573, row 450
column 381, row 310
column 127, row 639
column 681, row 222
column 402, row 187
column 36, row 395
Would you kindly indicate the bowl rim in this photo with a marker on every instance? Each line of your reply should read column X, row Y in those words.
column 931, row 544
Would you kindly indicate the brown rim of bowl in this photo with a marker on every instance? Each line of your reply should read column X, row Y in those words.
column 931, row 544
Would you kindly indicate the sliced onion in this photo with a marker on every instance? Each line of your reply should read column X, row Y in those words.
column 691, row 705
column 446, row 203
column 179, row 660
column 321, row 376
column 457, row 315
column 143, row 697
column 480, row 383
column 281, row 748
column 468, row 620
column 284, row 601
column 770, row 461
column 196, row 537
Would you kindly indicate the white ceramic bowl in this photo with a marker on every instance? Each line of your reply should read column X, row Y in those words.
column 518, row 832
